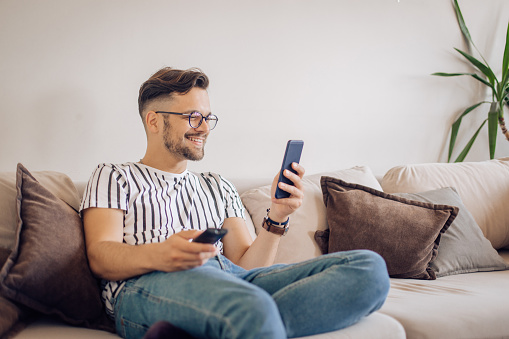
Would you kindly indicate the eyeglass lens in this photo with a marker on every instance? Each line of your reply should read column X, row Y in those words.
column 196, row 118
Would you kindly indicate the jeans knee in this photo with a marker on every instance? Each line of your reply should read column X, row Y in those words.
column 254, row 313
column 375, row 274
column 261, row 302
column 258, row 305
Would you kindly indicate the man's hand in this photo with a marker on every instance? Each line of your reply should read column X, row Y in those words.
column 178, row 253
column 282, row 208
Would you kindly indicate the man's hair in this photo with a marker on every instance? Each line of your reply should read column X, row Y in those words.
column 168, row 81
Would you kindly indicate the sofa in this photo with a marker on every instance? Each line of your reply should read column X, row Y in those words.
column 443, row 230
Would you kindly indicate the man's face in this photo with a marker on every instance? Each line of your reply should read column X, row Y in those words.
column 179, row 138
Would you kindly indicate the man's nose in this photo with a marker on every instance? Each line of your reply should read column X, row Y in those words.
column 204, row 126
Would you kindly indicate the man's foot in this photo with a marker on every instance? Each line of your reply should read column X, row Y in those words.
column 166, row 330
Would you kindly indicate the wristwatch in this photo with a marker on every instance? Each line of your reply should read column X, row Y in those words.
column 280, row 228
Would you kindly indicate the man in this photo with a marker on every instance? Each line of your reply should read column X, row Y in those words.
column 140, row 218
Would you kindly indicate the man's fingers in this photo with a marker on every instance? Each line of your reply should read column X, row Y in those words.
column 190, row 234
column 300, row 170
column 295, row 191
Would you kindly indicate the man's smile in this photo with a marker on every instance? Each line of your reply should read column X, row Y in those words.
column 196, row 140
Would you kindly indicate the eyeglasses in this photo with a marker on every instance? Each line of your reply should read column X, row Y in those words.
column 196, row 118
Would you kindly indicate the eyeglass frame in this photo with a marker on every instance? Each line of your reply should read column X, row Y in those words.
column 207, row 118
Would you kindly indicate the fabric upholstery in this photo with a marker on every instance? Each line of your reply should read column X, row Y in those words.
column 376, row 325
column 47, row 270
column 463, row 248
column 11, row 316
column 483, row 187
column 406, row 233
column 457, row 306
column 57, row 183
column 298, row 244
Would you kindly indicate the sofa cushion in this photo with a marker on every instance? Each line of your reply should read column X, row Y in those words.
column 406, row 233
column 47, row 270
column 463, row 248
column 298, row 244
column 483, row 187
column 376, row 325
column 57, row 183
column 11, row 315
column 457, row 306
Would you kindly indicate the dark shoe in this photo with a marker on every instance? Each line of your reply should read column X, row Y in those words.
column 165, row 330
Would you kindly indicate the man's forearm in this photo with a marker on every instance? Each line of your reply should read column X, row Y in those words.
column 262, row 251
column 118, row 261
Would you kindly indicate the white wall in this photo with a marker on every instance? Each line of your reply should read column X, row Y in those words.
column 350, row 77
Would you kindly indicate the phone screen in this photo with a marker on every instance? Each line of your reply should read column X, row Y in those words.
column 292, row 154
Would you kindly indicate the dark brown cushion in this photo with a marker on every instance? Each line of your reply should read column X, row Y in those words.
column 10, row 312
column 4, row 254
column 406, row 233
column 47, row 270
column 12, row 316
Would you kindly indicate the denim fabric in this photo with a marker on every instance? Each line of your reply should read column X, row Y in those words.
column 222, row 300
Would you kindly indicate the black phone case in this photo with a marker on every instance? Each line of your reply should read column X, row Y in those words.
column 210, row 236
column 292, row 154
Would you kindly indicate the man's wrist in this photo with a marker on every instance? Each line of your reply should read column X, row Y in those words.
column 276, row 217
column 277, row 227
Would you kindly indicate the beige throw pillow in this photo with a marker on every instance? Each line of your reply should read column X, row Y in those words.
column 483, row 187
column 299, row 244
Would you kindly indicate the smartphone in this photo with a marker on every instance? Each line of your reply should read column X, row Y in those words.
column 211, row 236
column 292, row 154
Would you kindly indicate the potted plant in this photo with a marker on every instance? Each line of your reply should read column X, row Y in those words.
column 499, row 93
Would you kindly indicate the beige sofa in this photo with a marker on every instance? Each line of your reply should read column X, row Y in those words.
column 469, row 298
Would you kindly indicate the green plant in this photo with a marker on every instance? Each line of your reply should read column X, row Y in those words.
column 499, row 93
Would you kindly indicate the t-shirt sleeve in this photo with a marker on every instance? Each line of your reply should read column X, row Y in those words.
column 107, row 188
column 231, row 199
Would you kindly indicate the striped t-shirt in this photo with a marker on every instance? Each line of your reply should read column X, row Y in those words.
column 158, row 204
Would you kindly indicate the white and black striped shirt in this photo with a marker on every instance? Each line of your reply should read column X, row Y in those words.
column 158, row 204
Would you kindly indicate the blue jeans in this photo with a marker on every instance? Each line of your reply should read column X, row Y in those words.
column 222, row 300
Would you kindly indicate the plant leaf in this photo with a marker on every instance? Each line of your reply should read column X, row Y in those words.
column 473, row 75
column 461, row 22
column 477, row 77
column 465, row 151
column 464, row 30
column 505, row 62
column 456, row 126
column 505, row 81
column 442, row 74
column 493, row 128
column 486, row 70
column 454, row 133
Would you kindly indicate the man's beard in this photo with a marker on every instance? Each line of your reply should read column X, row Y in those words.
column 178, row 148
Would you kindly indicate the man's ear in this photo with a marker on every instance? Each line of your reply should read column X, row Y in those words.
column 152, row 122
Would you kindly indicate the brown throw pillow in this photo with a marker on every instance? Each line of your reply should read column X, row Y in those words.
column 406, row 233
column 47, row 270
column 4, row 254
column 11, row 317
column 10, row 312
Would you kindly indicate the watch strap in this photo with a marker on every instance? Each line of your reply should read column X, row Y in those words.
column 271, row 227
column 275, row 223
